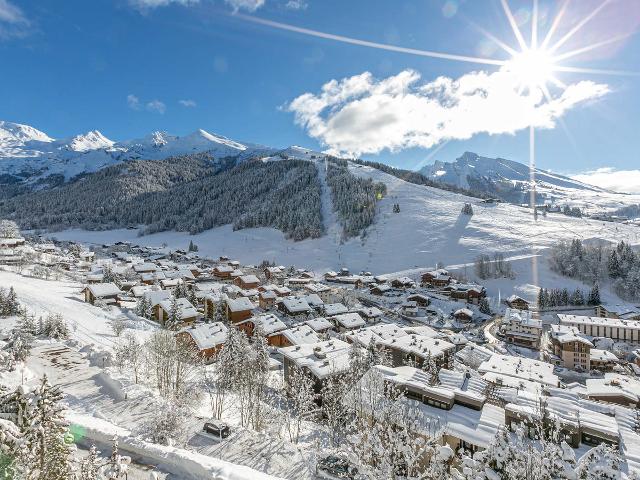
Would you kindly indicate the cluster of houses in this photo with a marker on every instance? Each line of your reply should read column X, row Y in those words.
column 313, row 326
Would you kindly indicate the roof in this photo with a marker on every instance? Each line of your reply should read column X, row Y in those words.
column 319, row 324
column 145, row 267
column 317, row 287
column 331, row 309
column 522, row 317
column 322, row 359
column 156, row 296
column 301, row 334
column 520, row 368
column 100, row 290
column 567, row 334
column 349, row 320
column 207, row 335
column 370, row 312
column 269, row 322
column 240, row 304
column 296, row 304
column 464, row 311
column 598, row 321
column 614, row 384
column 249, row 279
column 185, row 308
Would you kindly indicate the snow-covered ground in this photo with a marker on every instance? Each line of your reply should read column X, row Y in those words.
column 430, row 228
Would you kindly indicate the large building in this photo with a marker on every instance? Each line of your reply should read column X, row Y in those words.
column 520, row 328
column 614, row 328
column 570, row 348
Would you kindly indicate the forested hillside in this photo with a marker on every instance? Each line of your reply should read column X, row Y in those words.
column 354, row 199
column 186, row 193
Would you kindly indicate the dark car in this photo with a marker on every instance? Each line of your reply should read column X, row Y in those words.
column 217, row 429
column 334, row 467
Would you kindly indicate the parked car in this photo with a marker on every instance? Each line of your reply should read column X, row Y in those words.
column 217, row 428
column 334, row 467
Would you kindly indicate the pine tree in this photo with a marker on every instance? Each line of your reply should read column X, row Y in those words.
column 90, row 466
column 484, row 306
column 175, row 314
column 613, row 265
column 594, row 295
column 541, row 299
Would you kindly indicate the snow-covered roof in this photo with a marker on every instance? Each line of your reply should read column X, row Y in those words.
column 522, row 317
column 614, row 385
column 100, row 290
column 249, row 279
column 240, row 304
column 207, row 335
column 296, row 304
column 598, row 321
column 567, row 334
column 349, row 320
column 317, row 287
column 322, row 359
column 301, row 334
column 464, row 311
column 602, row 355
column 145, row 267
column 184, row 307
column 370, row 312
column 331, row 309
column 156, row 296
column 319, row 324
column 268, row 321
column 473, row 355
column 520, row 368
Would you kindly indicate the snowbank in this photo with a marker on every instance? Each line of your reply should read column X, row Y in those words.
column 185, row 464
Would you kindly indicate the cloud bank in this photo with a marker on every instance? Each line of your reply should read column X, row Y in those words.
column 624, row 181
column 362, row 114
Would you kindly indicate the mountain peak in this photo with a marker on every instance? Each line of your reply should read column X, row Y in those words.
column 19, row 133
column 92, row 140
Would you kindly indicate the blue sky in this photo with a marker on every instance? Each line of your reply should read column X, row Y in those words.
column 128, row 68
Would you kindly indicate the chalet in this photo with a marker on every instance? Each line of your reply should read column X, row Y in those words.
column 570, row 348
column 11, row 242
column 236, row 273
column 323, row 291
column 104, row 292
column 187, row 313
column 208, row 338
column 519, row 303
column 145, row 267
column 139, row 290
column 602, row 360
column 380, row 289
column 614, row 328
column 267, row 299
column 331, row 309
column 347, row 321
column 247, row 282
column 95, row 278
column 468, row 293
column 463, row 315
column 421, row 300
column 319, row 324
column 330, row 276
column 409, row 309
column 402, row 282
column 210, row 301
column 273, row 272
column 170, row 284
column 150, row 278
column 298, row 335
column 294, row 306
column 320, row 360
column 239, row 309
column 87, row 256
column 520, row 328
column 222, row 271
column 436, row 278
column 271, row 325
column 370, row 314
column 154, row 297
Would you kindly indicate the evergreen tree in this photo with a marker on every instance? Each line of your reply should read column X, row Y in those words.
column 175, row 314
column 594, row 295
column 613, row 265
column 484, row 306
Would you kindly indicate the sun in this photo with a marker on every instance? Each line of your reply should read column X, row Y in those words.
column 533, row 68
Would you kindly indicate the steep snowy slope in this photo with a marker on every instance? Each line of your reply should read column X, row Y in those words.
column 429, row 228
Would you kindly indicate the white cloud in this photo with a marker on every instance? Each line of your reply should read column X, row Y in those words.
column 13, row 22
column 220, row 64
column 133, row 102
column 156, row 106
column 149, row 4
column 296, row 5
column 361, row 114
column 188, row 103
column 625, row 181
column 248, row 5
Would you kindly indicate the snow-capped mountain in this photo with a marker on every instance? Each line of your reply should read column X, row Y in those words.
column 507, row 179
column 29, row 154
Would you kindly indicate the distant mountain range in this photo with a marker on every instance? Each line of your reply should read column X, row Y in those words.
column 505, row 179
column 27, row 154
